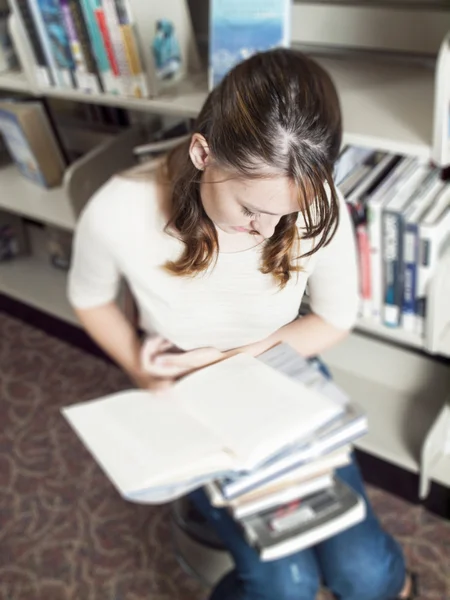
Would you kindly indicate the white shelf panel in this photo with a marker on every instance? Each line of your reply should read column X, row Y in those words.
column 401, row 392
column 394, row 334
column 441, row 471
column 35, row 282
column 388, row 106
column 18, row 195
column 185, row 99
column 14, row 81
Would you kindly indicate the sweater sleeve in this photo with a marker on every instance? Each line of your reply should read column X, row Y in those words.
column 333, row 283
column 94, row 276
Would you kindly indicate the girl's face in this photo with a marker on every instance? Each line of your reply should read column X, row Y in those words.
column 237, row 205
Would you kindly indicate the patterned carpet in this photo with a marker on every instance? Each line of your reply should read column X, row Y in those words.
column 65, row 534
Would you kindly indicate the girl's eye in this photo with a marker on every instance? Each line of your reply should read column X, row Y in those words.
column 247, row 212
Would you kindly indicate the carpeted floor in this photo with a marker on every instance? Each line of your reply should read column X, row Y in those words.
column 65, row 534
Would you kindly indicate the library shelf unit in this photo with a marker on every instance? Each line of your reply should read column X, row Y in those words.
column 398, row 377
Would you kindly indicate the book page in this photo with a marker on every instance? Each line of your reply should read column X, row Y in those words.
column 252, row 408
column 141, row 440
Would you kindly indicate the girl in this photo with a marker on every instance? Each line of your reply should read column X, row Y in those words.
column 217, row 243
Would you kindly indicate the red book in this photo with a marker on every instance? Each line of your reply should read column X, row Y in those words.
column 364, row 266
column 101, row 22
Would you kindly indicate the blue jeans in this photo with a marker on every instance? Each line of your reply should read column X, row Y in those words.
column 361, row 563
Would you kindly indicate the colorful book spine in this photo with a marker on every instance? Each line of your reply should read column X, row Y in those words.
column 108, row 80
column 392, row 262
column 411, row 258
column 81, row 74
column 42, row 72
column 140, row 84
column 112, row 21
column 57, row 75
column 362, row 237
column 104, row 32
column 433, row 232
column 79, row 70
column 82, row 34
column 59, row 40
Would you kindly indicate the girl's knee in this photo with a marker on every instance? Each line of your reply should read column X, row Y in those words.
column 369, row 577
column 282, row 580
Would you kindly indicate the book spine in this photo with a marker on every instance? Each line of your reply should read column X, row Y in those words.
column 43, row 74
column 103, row 28
column 376, row 259
column 80, row 70
column 410, row 267
column 431, row 239
column 109, row 82
column 93, row 80
column 58, row 40
column 112, row 21
column 392, row 260
column 56, row 74
column 364, row 267
column 127, row 30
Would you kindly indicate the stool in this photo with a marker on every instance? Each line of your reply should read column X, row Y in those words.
column 197, row 548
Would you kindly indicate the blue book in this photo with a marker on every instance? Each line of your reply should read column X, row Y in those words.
column 58, row 40
column 241, row 28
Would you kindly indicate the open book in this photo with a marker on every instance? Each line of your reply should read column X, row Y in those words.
column 230, row 417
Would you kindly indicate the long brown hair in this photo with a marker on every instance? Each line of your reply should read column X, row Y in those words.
column 279, row 109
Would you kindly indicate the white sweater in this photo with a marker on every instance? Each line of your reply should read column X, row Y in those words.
column 121, row 234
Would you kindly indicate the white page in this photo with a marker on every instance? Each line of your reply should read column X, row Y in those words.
column 253, row 408
column 142, row 440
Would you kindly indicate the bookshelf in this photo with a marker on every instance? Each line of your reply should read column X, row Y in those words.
column 32, row 280
column 402, row 393
column 18, row 195
column 386, row 104
column 14, row 81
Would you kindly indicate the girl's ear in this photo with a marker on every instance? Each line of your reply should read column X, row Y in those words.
column 199, row 151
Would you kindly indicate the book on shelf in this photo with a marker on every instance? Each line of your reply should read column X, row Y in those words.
column 123, row 46
column 426, row 192
column 41, row 68
column 28, row 134
column 127, row 27
column 349, row 158
column 240, row 28
column 58, row 40
column 109, row 80
column 90, row 70
column 305, row 522
column 434, row 232
column 393, row 225
column 58, row 77
column 374, row 206
column 85, row 75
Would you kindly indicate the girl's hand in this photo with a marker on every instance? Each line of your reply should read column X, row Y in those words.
column 144, row 378
column 160, row 363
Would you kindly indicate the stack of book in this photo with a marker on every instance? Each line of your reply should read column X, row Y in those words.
column 264, row 436
column 401, row 211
